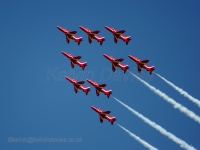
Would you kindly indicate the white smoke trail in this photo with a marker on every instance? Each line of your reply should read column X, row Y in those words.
column 145, row 144
column 182, row 143
column 181, row 91
column 170, row 100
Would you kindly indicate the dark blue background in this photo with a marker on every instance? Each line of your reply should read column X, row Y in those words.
column 33, row 105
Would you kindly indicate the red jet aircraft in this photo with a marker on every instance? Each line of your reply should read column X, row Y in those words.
column 78, row 85
column 119, row 35
column 142, row 64
column 93, row 35
column 116, row 63
column 75, row 60
column 104, row 115
column 70, row 35
column 100, row 88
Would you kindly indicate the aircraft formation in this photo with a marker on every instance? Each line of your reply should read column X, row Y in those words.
column 75, row 60
column 70, row 35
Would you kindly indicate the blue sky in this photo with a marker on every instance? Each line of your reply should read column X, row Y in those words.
column 33, row 105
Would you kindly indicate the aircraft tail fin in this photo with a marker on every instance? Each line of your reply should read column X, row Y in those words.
column 112, row 119
column 78, row 39
column 124, row 67
column 86, row 89
column 100, row 39
column 83, row 65
column 79, row 42
column 107, row 92
column 126, row 39
column 150, row 69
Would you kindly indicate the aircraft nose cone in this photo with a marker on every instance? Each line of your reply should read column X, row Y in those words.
column 81, row 27
column 90, row 81
column 58, row 27
column 93, row 107
column 130, row 56
column 106, row 56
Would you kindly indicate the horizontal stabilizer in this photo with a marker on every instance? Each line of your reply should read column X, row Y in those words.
column 85, row 89
column 78, row 37
column 83, row 65
column 112, row 119
column 150, row 69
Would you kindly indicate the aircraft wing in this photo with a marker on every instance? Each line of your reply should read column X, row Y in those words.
column 75, row 89
column 73, row 32
column 81, row 82
column 119, row 59
column 77, row 57
column 67, row 39
column 102, row 85
column 115, row 39
column 95, row 32
column 89, row 39
column 97, row 92
column 101, row 119
column 144, row 61
column 107, row 112
column 139, row 69
column 72, row 64
column 113, row 67
column 121, row 32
